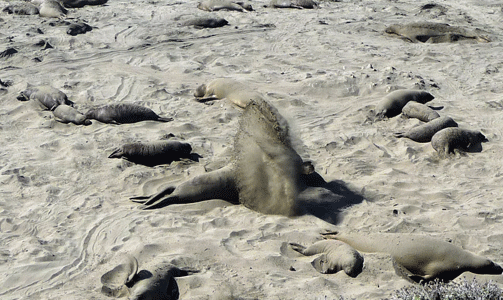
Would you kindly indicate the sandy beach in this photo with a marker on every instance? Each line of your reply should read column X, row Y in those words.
column 65, row 214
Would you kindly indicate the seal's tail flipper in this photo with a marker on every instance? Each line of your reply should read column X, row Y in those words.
column 150, row 201
column 399, row 134
column 160, row 119
column 118, row 153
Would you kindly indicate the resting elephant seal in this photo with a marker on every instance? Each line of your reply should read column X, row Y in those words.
column 225, row 88
column 448, row 140
column 293, row 4
column 336, row 256
column 433, row 33
column 264, row 175
column 52, row 9
column 391, row 105
column 206, row 22
column 124, row 114
column 46, row 95
column 81, row 3
column 21, row 8
column 67, row 114
column 215, row 5
column 78, row 28
column 419, row 111
column 421, row 258
column 152, row 154
column 423, row 133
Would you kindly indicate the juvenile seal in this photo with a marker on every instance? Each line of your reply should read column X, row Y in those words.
column 123, row 114
column 114, row 281
column 52, row 9
column 67, row 114
column 421, row 258
column 448, row 140
column 46, row 95
column 78, row 28
column 215, row 5
column 300, row 4
column 206, row 22
column 21, row 8
column 433, row 33
column 154, row 153
column 419, row 111
column 336, row 256
column 423, row 133
column 391, row 105
column 226, row 88
column 264, row 175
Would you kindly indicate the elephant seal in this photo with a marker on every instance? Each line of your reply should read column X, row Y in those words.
column 206, row 22
column 300, row 4
column 124, row 114
column 433, row 33
column 264, row 175
column 22, row 8
column 78, row 28
column 81, row 3
column 336, row 256
column 152, row 154
column 114, row 281
column 391, row 105
column 419, row 111
column 46, row 95
column 225, row 88
column 421, row 258
column 158, row 285
column 215, row 5
column 52, row 9
column 448, row 140
column 424, row 133
column 67, row 114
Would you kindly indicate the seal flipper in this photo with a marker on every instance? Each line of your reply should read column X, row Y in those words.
column 161, row 119
column 399, row 134
column 406, row 274
column 153, row 198
column 114, row 281
column 322, row 265
column 118, row 153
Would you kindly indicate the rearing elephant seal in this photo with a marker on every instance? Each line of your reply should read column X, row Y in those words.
column 421, row 258
column 232, row 90
column 123, row 114
column 391, row 105
column 448, row 140
column 433, row 33
column 423, row 133
column 67, row 114
column 46, row 95
column 336, row 256
column 152, row 154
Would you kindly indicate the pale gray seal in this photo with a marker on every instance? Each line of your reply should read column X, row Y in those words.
column 391, row 105
column 67, row 114
column 424, row 132
column 433, row 33
column 336, row 256
column 215, row 5
column 419, row 111
column 206, row 22
column 81, row 3
column 448, row 140
column 154, row 153
column 420, row 258
column 265, row 174
column 123, row 114
column 114, row 281
column 225, row 88
column 46, row 95
column 52, row 9
column 21, row 8
column 293, row 4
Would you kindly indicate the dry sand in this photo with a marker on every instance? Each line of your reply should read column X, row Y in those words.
column 64, row 210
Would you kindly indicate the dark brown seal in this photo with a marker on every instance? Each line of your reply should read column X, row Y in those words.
column 448, row 140
column 81, row 3
column 154, row 153
column 123, row 114
column 206, row 22
column 423, row 133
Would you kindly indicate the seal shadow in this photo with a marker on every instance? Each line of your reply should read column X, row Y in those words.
column 325, row 200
